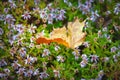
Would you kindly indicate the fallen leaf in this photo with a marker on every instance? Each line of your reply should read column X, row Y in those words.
column 71, row 36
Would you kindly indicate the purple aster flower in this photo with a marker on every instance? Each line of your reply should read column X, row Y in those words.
column 26, row 15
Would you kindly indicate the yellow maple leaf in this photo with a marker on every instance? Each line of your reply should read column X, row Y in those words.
column 71, row 36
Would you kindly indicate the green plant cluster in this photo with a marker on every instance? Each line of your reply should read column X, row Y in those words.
column 23, row 21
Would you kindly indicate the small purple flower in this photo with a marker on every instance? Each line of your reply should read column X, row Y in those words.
column 84, row 56
column 26, row 15
column 36, row 72
column 113, row 49
column 43, row 75
column 20, row 28
column 46, row 52
column 1, row 31
column 2, row 17
column 30, row 60
column 94, row 16
column 22, row 52
column 60, row 58
column 37, row 2
column 56, row 73
column 3, row 63
column 115, row 57
column 83, row 63
column 9, row 19
column 100, row 74
column 76, row 54
column 28, row 73
column 86, row 44
column 94, row 58
column 15, row 65
column 7, row 71
column 6, row 10
column 57, row 48
column 21, row 71
column 32, row 29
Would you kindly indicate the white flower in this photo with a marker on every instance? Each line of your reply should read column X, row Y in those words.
column 26, row 15
column 56, row 73
column 1, row 31
column 46, row 52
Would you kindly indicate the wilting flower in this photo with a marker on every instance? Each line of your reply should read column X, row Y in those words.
column 56, row 73
column 1, row 31
column 26, row 15
column 43, row 75
column 46, row 52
